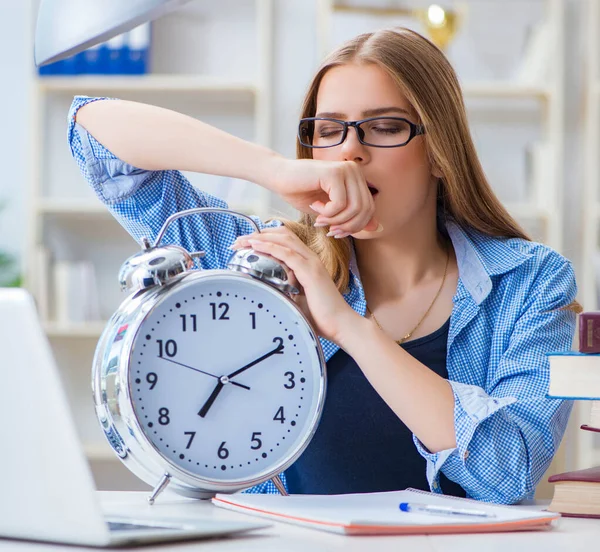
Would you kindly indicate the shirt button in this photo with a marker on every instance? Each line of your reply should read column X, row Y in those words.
column 435, row 485
column 466, row 455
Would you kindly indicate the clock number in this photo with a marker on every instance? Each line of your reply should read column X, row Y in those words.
column 163, row 416
column 192, row 434
column 280, row 345
column 256, row 440
column 253, row 316
column 291, row 382
column 170, row 348
column 224, row 307
column 184, row 322
column 279, row 415
column 223, row 452
column 151, row 378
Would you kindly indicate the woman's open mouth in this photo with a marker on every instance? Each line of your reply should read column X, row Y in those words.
column 374, row 191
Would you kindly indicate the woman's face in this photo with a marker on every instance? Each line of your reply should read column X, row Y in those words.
column 401, row 177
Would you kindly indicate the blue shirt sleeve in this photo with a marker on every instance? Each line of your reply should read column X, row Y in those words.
column 142, row 200
column 508, row 434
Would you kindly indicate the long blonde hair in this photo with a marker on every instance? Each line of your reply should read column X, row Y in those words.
column 430, row 85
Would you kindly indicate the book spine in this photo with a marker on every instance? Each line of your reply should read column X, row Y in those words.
column 589, row 332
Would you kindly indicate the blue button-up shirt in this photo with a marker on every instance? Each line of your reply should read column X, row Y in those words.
column 507, row 316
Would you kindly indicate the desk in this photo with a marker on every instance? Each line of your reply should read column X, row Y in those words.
column 572, row 534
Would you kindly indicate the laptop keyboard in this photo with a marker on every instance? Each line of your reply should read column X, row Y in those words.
column 118, row 526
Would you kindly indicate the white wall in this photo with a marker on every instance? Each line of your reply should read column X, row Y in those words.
column 16, row 71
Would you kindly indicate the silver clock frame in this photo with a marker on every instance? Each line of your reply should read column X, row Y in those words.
column 113, row 397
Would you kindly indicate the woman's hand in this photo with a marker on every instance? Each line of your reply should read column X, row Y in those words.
column 336, row 190
column 319, row 299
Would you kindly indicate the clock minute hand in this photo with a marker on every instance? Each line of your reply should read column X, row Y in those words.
column 277, row 350
column 202, row 371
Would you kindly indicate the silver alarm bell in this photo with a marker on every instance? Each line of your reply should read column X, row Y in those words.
column 155, row 266
column 263, row 267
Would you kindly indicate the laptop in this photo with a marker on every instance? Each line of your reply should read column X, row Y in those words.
column 48, row 492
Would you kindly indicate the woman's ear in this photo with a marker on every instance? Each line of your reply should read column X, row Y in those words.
column 435, row 171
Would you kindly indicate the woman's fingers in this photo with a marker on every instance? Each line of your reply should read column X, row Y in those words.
column 358, row 208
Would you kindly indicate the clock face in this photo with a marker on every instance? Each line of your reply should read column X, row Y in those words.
column 225, row 378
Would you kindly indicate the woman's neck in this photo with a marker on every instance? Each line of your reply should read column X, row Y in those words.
column 394, row 265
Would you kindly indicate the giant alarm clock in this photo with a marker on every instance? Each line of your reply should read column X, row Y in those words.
column 207, row 380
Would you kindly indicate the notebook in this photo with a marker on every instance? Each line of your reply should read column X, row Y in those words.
column 379, row 513
column 47, row 490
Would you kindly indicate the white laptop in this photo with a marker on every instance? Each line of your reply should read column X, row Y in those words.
column 47, row 492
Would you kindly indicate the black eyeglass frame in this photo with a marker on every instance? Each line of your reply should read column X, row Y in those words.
column 415, row 130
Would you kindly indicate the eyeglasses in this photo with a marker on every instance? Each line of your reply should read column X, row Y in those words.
column 378, row 132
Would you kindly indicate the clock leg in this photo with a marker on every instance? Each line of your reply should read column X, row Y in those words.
column 279, row 484
column 162, row 485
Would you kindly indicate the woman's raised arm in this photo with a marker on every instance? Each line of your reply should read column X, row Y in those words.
column 155, row 138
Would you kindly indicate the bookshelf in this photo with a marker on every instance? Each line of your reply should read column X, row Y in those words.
column 210, row 60
column 509, row 93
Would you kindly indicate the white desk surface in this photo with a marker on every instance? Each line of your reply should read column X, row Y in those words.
column 572, row 534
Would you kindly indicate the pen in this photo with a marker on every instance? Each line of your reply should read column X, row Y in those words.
column 442, row 510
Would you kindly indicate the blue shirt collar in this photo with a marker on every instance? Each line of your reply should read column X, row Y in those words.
column 478, row 256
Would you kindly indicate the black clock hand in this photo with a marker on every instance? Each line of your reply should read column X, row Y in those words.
column 277, row 351
column 203, row 372
column 227, row 379
column 209, row 402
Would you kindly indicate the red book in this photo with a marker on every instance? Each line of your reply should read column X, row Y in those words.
column 589, row 332
column 577, row 493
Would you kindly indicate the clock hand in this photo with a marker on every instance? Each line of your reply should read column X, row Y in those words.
column 203, row 372
column 227, row 379
column 277, row 351
column 209, row 402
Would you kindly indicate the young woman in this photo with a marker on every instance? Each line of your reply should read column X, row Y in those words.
column 434, row 308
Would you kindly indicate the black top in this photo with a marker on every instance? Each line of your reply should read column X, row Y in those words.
column 361, row 445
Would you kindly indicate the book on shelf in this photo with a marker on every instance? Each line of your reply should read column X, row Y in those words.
column 574, row 375
column 576, row 493
column 124, row 54
column 75, row 292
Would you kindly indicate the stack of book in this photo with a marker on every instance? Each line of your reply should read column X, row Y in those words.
column 575, row 375
column 126, row 54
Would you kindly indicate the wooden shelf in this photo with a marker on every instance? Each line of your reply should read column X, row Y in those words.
column 75, row 329
column 505, row 89
column 72, row 207
column 145, row 83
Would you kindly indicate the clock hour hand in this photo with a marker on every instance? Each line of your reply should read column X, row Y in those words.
column 277, row 351
column 203, row 372
column 209, row 402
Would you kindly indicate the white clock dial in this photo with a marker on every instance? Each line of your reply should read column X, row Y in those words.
column 225, row 378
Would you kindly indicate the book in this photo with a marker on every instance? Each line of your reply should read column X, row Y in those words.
column 589, row 332
column 576, row 493
column 594, row 419
column 380, row 514
column 75, row 292
column 574, row 375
